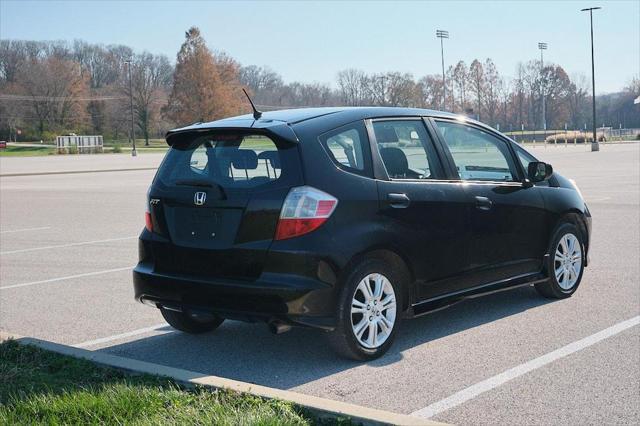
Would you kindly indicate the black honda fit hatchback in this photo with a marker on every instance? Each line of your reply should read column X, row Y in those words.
column 350, row 220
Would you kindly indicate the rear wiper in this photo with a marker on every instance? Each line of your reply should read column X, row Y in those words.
column 194, row 182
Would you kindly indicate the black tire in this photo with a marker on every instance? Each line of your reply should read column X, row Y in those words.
column 343, row 340
column 189, row 323
column 551, row 288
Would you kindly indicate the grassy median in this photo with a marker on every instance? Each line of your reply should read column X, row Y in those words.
column 41, row 387
column 26, row 151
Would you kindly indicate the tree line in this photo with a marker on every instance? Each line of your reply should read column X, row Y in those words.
column 51, row 88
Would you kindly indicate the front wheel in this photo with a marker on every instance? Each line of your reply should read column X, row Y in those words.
column 193, row 324
column 565, row 264
column 368, row 312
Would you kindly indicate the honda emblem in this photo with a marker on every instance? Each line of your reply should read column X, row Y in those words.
column 199, row 198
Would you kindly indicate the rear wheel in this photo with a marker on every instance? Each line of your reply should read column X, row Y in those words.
column 565, row 264
column 369, row 311
column 190, row 323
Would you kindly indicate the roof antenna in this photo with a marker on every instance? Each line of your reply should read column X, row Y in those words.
column 256, row 114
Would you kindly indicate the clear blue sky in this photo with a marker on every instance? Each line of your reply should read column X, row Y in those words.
column 311, row 41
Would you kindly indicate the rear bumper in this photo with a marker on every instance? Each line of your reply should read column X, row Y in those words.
column 286, row 298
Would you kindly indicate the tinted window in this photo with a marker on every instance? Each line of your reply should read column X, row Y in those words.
column 227, row 160
column 477, row 154
column 347, row 146
column 524, row 157
column 405, row 149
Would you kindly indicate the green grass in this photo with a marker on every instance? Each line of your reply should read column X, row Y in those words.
column 26, row 151
column 139, row 150
column 153, row 143
column 41, row 387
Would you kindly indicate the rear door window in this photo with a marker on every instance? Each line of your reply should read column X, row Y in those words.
column 227, row 160
column 406, row 149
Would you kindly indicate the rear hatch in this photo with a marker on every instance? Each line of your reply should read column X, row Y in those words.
column 216, row 200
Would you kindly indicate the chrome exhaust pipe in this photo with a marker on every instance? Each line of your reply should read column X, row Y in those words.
column 278, row 327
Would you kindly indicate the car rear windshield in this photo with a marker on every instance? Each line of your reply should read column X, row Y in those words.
column 227, row 160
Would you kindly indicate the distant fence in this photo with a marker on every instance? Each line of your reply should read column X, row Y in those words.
column 83, row 144
column 553, row 136
column 611, row 133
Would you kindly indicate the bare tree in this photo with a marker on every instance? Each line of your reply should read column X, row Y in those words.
column 352, row 84
column 402, row 90
column 59, row 85
column 150, row 79
column 577, row 100
column 12, row 57
column 100, row 63
column 493, row 86
column 557, row 88
column 518, row 98
column 460, row 80
column 430, row 87
column 56, row 89
column 477, row 84
column 264, row 84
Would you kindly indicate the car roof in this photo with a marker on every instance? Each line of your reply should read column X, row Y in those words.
column 330, row 116
column 298, row 115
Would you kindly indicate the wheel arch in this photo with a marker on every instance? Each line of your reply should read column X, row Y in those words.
column 396, row 259
column 576, row 218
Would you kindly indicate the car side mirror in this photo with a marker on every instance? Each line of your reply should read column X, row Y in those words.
column 539, row 171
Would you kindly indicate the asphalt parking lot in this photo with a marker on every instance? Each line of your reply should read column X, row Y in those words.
column 68, row 243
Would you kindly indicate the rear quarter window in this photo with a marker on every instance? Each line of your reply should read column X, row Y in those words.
column 348, row 147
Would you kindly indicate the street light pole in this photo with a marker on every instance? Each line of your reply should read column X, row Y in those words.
column 594, row 145
column 542, row 47
column 133, row 134
column 441, row 34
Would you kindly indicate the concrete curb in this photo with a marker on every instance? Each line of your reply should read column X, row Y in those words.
column 320, row 407
column 73, row 172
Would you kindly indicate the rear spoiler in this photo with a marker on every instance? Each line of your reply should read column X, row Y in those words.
column 279, row 129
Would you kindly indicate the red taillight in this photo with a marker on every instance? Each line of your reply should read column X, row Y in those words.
column 303, row 211
column 147, row 221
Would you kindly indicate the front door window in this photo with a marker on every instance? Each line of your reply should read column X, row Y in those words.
column 477, row 155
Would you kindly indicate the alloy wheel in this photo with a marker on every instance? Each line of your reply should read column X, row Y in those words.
column 373, row 311
column 568, row 261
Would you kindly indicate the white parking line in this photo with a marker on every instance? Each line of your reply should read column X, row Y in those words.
column 53, row 280
column 598, row 200
column 25, row 230
column 66, row 245
column 502, row 378
column 122, row 336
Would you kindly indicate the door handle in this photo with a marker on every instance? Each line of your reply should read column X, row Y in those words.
column 399, row 201
column 483, row 203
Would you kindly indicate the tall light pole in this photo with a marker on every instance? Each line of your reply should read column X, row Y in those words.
column 441, row 34
column 594, row 145
column 383, row 89
column 543, row 47
column 133, row 134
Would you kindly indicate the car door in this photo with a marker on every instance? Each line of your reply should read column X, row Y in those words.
column 425, row 212
column 507, row 216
